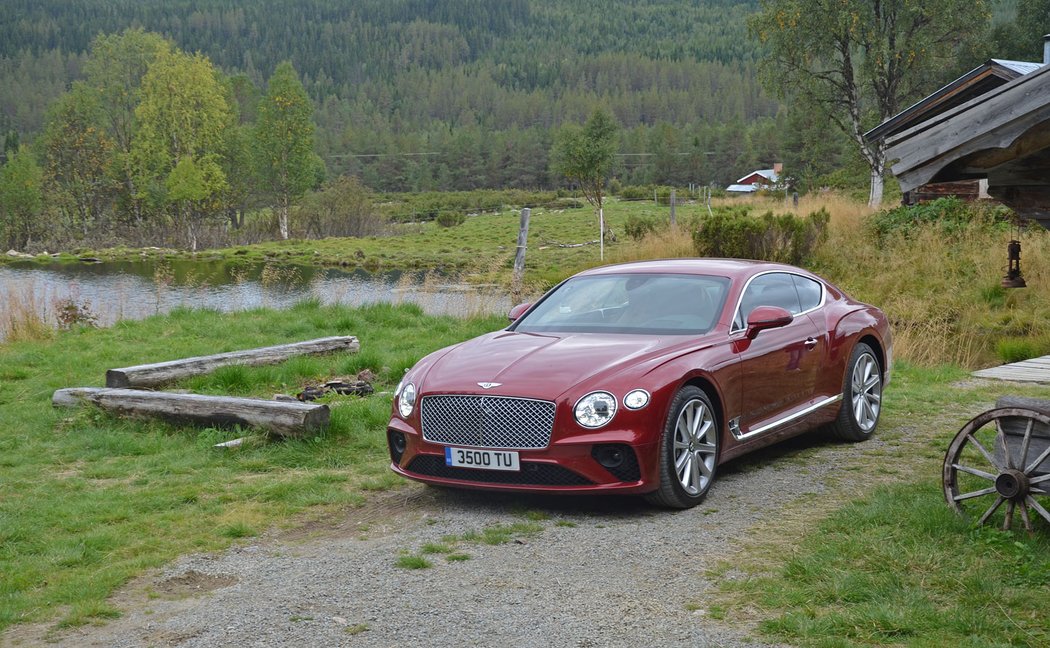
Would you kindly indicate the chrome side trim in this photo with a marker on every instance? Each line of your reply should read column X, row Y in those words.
column 788, row 419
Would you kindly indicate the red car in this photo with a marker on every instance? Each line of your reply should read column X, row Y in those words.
column 643, row 378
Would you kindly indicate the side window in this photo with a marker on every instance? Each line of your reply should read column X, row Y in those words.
column 809, row 292
column 773, row 289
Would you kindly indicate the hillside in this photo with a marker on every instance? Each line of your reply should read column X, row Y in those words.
column 461, row 94
column 477, row 85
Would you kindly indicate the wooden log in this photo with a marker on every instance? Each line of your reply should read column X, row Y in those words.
column 285, row 419
column 153, row 375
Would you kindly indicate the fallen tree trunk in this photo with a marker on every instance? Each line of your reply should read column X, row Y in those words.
column 283, row 418
column 153, row 375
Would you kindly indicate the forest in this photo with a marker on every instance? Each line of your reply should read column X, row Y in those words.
column 450, row 95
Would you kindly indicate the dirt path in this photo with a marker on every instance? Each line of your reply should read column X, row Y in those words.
column 578, row 571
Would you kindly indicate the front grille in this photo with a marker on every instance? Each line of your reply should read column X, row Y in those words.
column 487, row 421
column 531, row 474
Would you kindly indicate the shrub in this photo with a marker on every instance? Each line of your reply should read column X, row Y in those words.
column 635, row 192
column 423, row 206
column 952, row 215
column 343, row 208
column 734, row 232
column 1018, row 349
column 450, row 219
column 638, row 227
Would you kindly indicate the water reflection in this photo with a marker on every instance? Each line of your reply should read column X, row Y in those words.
column 114, row 291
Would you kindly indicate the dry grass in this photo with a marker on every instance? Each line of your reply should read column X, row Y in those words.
column 941, row 291
column 24, row 314
column 844, row 211
column 671, row 243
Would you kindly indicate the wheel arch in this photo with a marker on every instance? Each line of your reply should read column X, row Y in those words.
column 876, row 346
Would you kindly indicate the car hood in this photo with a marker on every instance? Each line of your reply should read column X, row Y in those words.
column 546, row 365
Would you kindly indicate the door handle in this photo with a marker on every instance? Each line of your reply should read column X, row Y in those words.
column 810, row 343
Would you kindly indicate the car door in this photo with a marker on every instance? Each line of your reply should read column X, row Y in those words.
column 779, row 367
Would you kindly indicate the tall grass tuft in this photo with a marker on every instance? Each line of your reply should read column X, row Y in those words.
column 23, row 314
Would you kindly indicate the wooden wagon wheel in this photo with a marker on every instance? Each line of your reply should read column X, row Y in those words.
column 990, row 462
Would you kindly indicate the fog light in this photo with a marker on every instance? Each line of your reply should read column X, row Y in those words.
column 609, row 456
column 398, row 443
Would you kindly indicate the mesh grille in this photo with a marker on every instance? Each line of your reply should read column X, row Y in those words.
column 487, row 421
column 531, row 474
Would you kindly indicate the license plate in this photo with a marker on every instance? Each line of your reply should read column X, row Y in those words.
column 483, row 459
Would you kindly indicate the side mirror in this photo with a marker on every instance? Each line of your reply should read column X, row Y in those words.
column 518, row 311
column 766, row 317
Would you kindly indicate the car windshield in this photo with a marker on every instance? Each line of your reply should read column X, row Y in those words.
column 652, row 304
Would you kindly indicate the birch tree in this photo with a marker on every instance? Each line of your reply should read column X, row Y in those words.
column 585, row 156
column 285, row 138
column 859, row 62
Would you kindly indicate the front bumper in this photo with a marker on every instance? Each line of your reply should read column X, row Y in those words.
column 568, row 465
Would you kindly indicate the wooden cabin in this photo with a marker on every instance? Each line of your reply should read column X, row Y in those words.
column 981, row 126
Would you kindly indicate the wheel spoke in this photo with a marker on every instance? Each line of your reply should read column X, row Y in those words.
column 705, row 430
column 684, row 468
column 984, row 452
column 1040, row 479
column 1042, row 457
column 874, row 380
column 680, row 445
column 709, row 448
column 704, row 470
column 694, row 474
column 974, row 471
column 991, row 509
column 1024, row 517
column 680, row 461
column 1027, row 440
column 1001, row 438
column 1037, row 506
column 973, row 494
column 1008, row 521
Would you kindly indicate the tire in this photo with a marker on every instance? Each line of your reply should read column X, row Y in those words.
column 861, row 396
column 688, row 451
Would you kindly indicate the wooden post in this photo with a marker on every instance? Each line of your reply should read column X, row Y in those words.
column 601, row 238
column 519, row 256
column 152, row 375
column 673, row 223
column 286, row 419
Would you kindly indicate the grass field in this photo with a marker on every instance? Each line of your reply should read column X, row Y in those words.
column 87, row 500
column 881, row 560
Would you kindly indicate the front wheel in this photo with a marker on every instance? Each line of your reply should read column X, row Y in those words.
column 688, row 451
column 861, row 396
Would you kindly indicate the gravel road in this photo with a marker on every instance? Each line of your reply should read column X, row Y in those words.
column 599, row 571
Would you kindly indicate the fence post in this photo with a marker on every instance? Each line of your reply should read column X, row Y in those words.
column 519, row 256
column 673, row 223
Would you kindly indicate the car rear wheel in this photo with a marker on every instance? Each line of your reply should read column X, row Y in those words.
column 688, row 450
column 861, row 397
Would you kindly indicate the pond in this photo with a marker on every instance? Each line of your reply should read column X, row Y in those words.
column 111, row 291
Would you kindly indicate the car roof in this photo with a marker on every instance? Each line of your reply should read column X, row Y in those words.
column 733, row 268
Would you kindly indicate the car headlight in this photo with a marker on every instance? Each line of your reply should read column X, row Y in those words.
column 595, row 409
column 636, row 399
column 407, row 400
